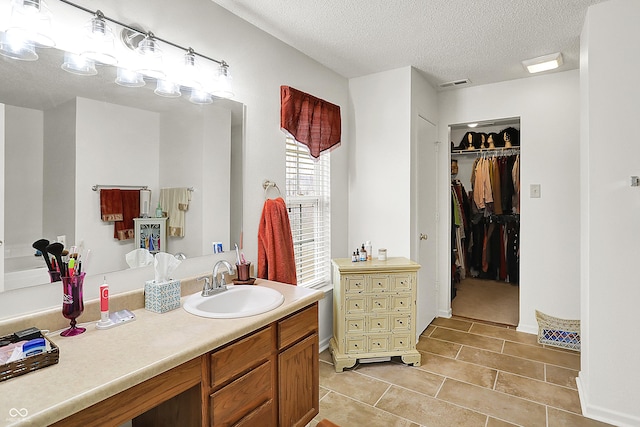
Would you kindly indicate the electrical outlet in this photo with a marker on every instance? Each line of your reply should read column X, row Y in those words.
column 534, row 191
column 62, row 239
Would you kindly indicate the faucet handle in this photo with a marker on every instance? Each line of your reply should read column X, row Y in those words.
column 207, row 285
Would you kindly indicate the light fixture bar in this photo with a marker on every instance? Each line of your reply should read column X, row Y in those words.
column 137, row 30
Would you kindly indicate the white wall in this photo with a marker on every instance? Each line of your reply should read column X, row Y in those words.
column 59, row 172
column 608, row 382
column 259, row 64
column 548, row 106
column 24, row 145
column 380, row 161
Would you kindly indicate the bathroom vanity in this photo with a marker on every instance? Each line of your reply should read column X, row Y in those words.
column 179, row 369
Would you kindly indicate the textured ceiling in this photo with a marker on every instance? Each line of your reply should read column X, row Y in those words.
column 481, row 40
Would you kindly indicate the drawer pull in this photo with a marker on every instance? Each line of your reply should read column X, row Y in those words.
column 399, row 321
column 378, row 323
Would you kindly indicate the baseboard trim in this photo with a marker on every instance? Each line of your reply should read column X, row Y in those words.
column 599, row 413
column 324, row 344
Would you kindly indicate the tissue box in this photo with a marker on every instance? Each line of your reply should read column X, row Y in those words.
column 163, row 296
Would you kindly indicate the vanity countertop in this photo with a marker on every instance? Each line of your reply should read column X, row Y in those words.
column 101, row 363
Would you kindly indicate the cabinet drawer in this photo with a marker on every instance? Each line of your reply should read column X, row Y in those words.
column 378, row 283
column 378, row 324
column 377, row 343
column 378, row 303
column 297, row 326
column 401, row 302
column 400, row 282
column 355, row 324
column 243, row 396
column 355, row 305
column 355, row 344
column 354, row 284
column 400, row 342
column 242, row 355
column 401, row 322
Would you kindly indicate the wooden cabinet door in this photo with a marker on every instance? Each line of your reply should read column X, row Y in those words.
column 299, row 383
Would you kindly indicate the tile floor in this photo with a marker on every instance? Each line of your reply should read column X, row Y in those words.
column 472, row 374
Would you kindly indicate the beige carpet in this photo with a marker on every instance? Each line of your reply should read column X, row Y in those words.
column 487, row 300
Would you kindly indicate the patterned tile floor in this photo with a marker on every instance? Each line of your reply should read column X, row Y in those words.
column 472, row 374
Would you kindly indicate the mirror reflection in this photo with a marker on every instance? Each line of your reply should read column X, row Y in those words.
column 64, row 134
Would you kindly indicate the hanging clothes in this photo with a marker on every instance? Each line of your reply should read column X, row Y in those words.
column 485, row 238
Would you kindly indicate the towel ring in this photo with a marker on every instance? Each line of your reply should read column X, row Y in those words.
column 266, row 184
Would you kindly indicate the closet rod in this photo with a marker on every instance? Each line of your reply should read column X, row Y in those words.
column 139, row 187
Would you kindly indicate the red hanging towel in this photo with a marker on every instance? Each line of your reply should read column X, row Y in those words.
column 276, row 260
column 124, row 230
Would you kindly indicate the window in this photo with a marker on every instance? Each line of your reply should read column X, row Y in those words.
column 307, row 193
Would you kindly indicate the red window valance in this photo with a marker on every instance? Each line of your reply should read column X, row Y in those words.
column 310, row 120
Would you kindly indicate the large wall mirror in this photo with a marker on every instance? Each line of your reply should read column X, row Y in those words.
column 63, row 134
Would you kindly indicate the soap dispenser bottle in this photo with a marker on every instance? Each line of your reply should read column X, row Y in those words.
column 159, row 211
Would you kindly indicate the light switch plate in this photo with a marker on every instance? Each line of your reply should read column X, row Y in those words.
column 534, row 191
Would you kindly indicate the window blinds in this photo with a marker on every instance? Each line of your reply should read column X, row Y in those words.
column 308, row 204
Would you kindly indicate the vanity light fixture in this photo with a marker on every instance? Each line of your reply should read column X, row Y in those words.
column 190, row 72
column 543, row 63
column 199, row 96
column 99, row 41
column 31, row 21
column 168, row 89
column 29, row 29
column 223, row 83
column 472, row 125
column 129, row 78
column 15, row 47
column 151, row 57
column 79, row 65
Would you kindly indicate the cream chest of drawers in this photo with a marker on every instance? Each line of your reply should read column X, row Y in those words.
column 374, row 311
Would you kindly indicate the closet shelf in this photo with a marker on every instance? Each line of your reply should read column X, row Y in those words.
column 500, row 150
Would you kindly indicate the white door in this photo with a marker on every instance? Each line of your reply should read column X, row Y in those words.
column 2, row 197
column 426, row 223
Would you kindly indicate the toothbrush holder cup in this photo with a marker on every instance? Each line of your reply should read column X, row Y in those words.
column 243, row 271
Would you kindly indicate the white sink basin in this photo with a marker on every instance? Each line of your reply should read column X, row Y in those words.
column 236, row 301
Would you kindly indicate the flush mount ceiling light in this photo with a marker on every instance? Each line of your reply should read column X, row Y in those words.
column 543, row 63
column 472, row 125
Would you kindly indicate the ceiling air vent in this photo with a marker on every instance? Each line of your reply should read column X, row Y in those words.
column 455, row 83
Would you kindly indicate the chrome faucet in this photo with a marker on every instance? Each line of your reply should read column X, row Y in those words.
column 218, row 286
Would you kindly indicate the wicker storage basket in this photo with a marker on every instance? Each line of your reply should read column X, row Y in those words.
column 31, row 363
column 558, row 332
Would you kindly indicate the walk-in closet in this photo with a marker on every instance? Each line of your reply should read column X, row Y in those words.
column 485, row 220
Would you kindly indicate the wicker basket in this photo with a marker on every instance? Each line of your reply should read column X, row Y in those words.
column 558, row 332
column 31, row 363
